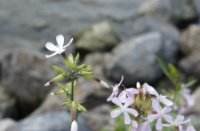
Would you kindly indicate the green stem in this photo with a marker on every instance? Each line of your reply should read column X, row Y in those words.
column 72, row 90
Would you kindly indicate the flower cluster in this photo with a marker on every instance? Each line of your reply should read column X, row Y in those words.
column 143, row 107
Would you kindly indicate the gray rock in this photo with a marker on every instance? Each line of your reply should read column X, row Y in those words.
column 191, row 64
column 6, row 123
column 196, row 107
column 99, row 37
column 136, row 58
column 190, row 40
column 7, row 105
column 51, row 121
column 169, row 10
column 24, row 73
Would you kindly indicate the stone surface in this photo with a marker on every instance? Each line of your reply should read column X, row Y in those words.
column 196, row 108
column 7, row 105
column 50, row 121
column 169, row 10
column 6, row 123
column 99, row 37
column 191, row 64
column 190, row 40
column 136, row 59
column 24, row 73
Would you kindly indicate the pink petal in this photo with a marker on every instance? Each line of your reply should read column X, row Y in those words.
column 165, row 101
column 117, row 102
column 152, row 117
column 168, row 118
column 51, row 47
column 190, row 128
column 146, row 126
column 60, row 40
column 166, row 110
column 159, row 124
column 132, row 111
column 132, row 91
column 122, row 96
column 134, row 124
column 150, row 89
column 110, row 97
column 156, row 106
column 115, row 113
column 180, row 128
column 127, row 119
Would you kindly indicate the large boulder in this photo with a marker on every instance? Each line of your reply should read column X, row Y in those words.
column 50, row 121
column 24, row 73
column 6, row 123
column 190, row 40
column 98, row 37
column 136, row 58
column 169, row 10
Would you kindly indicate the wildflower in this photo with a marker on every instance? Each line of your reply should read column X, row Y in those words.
column 189, row 100
column 178, row 122
column 74, row 126
column 115, row 90
column 123, row 108
column 127, row 95
column 57, row 49
column 190, row 128
column 143, row 127
column 159, row 98
column 160, row 114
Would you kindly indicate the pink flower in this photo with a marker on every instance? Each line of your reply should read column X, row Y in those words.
column 123, row 108
column 143, row 127
column 128, row 95
column 160, row 114
column 115, row 90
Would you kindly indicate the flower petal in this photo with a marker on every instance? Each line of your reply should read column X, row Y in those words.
column 70, row 41
column 166, row 110
column 168, row 118
column 146, row 126
column 115, row 113
column 132, row 111
column 134, row 124
column 122, row 78
column 165, row 101
column 150, row 89
column 117, row 102
column 156, row 106
column 152, row 117
column 159, row 124
column 48, row 56
column 51, row 47
column 190, row 128
column 132, row 91
column 60, row 40
column 122, row 96
column 127, row 119
column 74, row 126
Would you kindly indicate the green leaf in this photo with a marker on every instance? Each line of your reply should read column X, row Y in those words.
column 81, row 108
column 58, row 69
column 87, row 75
column 58, row 78
column 77, row 59
column 69, row 63
column 174, row 73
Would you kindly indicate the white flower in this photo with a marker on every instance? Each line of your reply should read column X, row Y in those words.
column 190, row 128
column 123, row 108
column 74, row 126
column 57, row 49
column 178, row 122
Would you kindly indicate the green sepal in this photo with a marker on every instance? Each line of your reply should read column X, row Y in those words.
column 87, row 75
column 58, row 69
column 81, row 108
column 59, row 78
column 77, row 59
column 70, row 62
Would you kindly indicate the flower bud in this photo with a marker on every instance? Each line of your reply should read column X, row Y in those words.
column 74, row 126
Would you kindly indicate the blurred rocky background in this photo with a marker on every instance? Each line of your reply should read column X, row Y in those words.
column 115, row 36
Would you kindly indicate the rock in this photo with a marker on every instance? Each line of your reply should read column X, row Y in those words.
column 99, row 37
column 24, row 73
column 196, row 107
column 99, row 118
column 50, row 121
column 136, row 59
column 191, row 64
column 190, row 40
column 6, row 123
column 195, row 120
column 7, row 105
column 197, row 6
column 169, row 10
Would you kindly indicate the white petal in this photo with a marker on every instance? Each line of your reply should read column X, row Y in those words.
column 48, row 56
column 159, row 124
column 127, row 119
column 152, row 117
column 117, row 102
column 74, row 126
column 60, row 40
column 51, row 47
column 150, row 89
column 156, row 106
column 71, row 40
column 165, row 101
column 132, row 111
column 115, row 113
column 168, row 118
column 122, row 96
